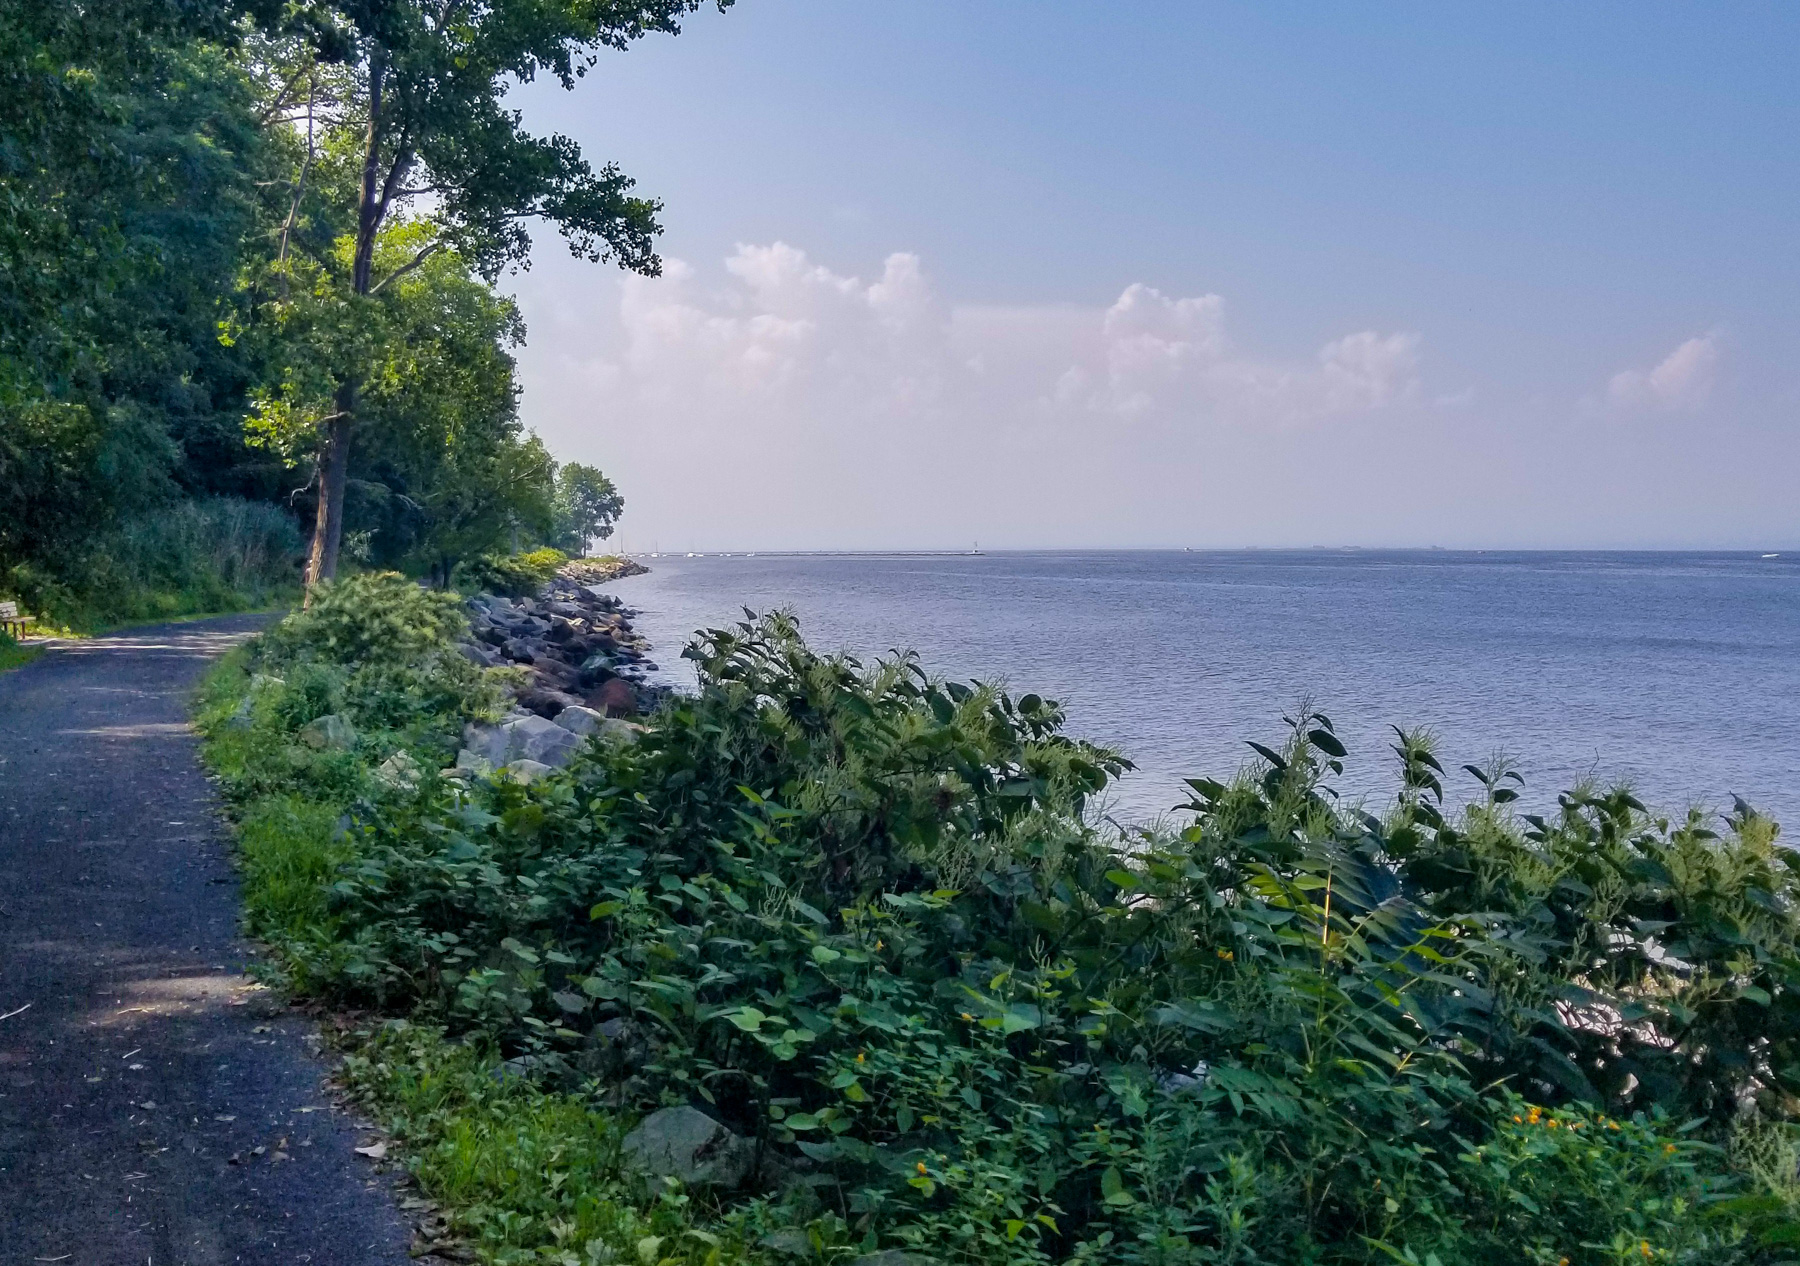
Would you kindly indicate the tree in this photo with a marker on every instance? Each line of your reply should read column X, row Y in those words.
column 406, row 98
column 130, row 153
column 587, row 506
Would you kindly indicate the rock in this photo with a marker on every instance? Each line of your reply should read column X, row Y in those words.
column 477, row 653
column 486, row 743
column 469, row 762
column 518, row 650
column 614, row 730
column 400, row 772
column 535, row 739
column 525, row 771
column 556, row 674
column 546, row 703
column 687, row 1144
column 332, row 732
column 615, row 698
column 580, row 720
column 240, row 718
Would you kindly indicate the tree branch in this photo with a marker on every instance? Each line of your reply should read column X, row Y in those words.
column 425, row 253
column 275, row 106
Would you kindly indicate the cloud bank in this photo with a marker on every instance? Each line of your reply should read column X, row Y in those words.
column 778, row 403
column 791, row 333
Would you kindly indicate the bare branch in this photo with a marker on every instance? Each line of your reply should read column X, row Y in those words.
column 293, row 215
column 275, row 106
column 425, row 253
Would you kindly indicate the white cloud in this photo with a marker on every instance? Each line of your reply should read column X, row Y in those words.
column 820, row 342
column 1681, row 380
column 780, row 401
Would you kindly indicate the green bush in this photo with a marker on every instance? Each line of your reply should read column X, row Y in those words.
column 863, row 915
column 376, row 617
column 868, row 919
column 514, row 575
column 217, row 554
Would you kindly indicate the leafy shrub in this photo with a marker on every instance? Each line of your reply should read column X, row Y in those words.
column 863, row 916
column 216, row 554
column 372, row 618
column 514, row 575
column 866, row 918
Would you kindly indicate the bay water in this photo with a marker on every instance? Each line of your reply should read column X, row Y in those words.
column 1678, row 673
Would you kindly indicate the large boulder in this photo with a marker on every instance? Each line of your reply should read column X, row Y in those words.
column 546, row 701
column 580, row 720
column 615, row 698
column 687, row 1144
column 534, row 738
column 485, row 742
column 330, row 733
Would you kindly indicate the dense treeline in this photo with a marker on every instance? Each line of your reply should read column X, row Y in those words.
column 248, row 256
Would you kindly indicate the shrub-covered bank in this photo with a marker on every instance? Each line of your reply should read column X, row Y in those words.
column 861, row 919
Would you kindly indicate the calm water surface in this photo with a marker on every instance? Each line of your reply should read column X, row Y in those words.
column 1679, row 673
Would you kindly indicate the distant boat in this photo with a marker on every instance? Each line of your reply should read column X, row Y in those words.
column 976, row 552
column 1771, row 555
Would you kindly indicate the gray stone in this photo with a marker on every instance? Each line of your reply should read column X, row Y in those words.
column 687, row 1144
column 519, row 650
column 479, row 654
column 332, row 732
column 525, row 771
column 400, row 772
column 535, row 739
column 485, row 742
column 580, row 720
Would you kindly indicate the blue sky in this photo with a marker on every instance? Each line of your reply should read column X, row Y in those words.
column 1179, row 274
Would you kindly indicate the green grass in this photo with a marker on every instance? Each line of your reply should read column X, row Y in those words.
column 13, row 655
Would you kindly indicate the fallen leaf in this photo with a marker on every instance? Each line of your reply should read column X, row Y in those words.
column 374, row 1151
column 224, row 1118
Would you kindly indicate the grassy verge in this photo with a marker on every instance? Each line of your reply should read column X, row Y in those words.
column 519, row 1172
column 13, row 655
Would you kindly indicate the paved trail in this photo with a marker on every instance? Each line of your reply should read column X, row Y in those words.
column 156, row 1109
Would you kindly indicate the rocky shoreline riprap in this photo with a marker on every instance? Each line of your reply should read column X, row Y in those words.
column 584, row 666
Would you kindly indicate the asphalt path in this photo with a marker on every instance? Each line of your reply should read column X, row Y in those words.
column 156, row 1106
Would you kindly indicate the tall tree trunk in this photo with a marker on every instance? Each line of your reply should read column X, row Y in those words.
column 328, row 524
column 334, row 459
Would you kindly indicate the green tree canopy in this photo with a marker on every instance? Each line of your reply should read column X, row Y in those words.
column 587, row 506
column 402, row 103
